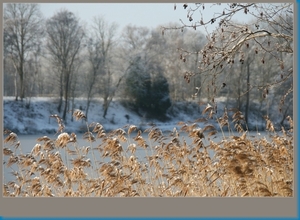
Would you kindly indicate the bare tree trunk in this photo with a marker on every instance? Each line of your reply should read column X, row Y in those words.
column 106, row 93
column 88, row 102
column 16, row 86
column 248, row 93
column 239, row 89
column 105, row 106
column 87, row 106
column 89, row 95
column 60, row 94
column 108, row 99
column 73, row 103
column 22, row 88
column 66, row 95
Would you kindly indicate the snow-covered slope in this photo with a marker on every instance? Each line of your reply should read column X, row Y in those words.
column 34, row 118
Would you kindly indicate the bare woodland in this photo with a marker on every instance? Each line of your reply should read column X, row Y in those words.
column 250, row 64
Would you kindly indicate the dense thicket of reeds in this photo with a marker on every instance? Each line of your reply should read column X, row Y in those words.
column 173, row 166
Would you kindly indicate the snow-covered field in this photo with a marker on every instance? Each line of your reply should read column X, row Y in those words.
column 24, row 118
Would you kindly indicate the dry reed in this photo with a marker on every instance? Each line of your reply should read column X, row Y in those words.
column 236, row 166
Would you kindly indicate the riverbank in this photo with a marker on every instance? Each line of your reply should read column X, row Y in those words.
column 32, row 116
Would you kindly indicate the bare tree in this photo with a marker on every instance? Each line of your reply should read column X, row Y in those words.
column 23, row 32
column 33, row 80
column 165, row 50
column 100, row 48
column 270, row 31
column 92, row 72
column 64, row 40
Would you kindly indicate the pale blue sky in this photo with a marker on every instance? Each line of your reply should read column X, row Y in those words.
column 140, row 14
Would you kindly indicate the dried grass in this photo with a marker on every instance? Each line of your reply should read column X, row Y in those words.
column 173, row 166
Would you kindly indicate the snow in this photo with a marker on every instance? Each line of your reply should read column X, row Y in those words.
column 33, row 116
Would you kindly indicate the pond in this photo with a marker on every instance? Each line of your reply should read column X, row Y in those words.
column 29, row 141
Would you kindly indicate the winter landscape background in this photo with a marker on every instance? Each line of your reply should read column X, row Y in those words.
column 142, row 74
column 34, row 117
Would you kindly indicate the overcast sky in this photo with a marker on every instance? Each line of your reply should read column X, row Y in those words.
column 140, row 14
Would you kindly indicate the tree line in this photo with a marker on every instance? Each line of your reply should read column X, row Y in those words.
column 151, row 69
